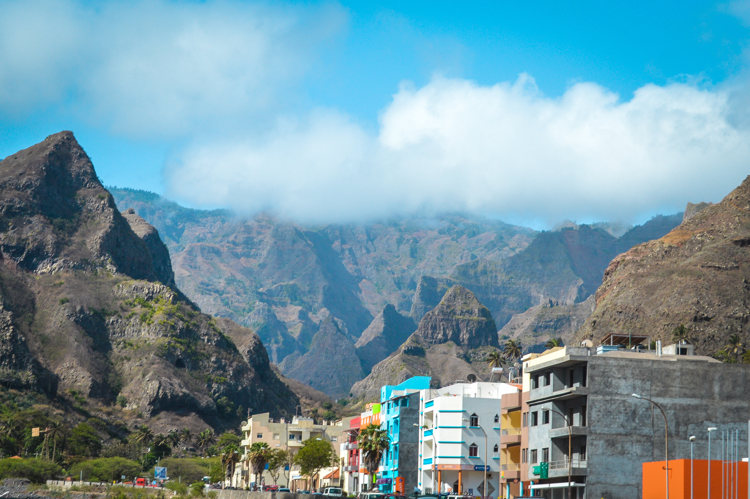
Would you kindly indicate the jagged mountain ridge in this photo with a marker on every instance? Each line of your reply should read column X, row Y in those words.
column 283, row 279
column 89, row 313
column 697, row 275
column 448, row 345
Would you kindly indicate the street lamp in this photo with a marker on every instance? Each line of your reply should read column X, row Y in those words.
column 484, row 492
column 570, row 450
column 692, row 441
column 666, row 437
column 709, row 430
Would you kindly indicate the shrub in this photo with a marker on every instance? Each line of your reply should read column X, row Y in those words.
column 196, row 488
column 106, row 469
column 178, row 487
column 36, row 470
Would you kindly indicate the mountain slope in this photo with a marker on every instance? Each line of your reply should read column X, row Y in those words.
column 448, row 345
column 697, row 276
column 89, row 313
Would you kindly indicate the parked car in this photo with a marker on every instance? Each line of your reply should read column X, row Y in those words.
column 333, row 491
column 284, row 489
column 371, row 495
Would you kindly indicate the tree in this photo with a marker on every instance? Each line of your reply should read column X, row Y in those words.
column 512, row 350
column 161, row 445
column 680, row 334
column 554, row 342
column 277, row 459
column 142, row 436
column 205, row 439
column 288, row 462
column 494, row 359
column 84, row 441
column 228, row 438
column 373, row 442
column 259, row 453
column 314, row 455
column 230, row 455
column 106, row 469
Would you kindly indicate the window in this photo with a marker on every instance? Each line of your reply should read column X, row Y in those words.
column 534, row 418
column 545, row 416
column 494, row 449
column 545, row 455
column 533, row 456
column 524, row 455
column 583, row 376
column 291, row 436
column 534, row 382
column 582, row 453
column 275, row 436
column 259, row 435
column 473, row 450
column 525, row 419
column 549, row 379
column 474, row 420
column 497, row 418
column 570, row 377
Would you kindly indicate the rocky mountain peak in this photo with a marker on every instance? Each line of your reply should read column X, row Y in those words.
column 460, row 318
column 695, row 276
column 56, row 215
column 387, row 331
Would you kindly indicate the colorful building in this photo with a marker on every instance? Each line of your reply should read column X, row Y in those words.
column 510, row 444
column 400, row 419
column 350, row 453
column 460, row 440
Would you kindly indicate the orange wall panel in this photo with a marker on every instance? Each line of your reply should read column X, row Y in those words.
column 654, row 478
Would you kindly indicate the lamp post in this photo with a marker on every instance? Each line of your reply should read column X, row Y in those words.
column 570, row 450
column 666, row 437
column 709, row 430
column 692, row 441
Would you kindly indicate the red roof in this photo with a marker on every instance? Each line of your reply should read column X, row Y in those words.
column 355, row 422
column 332, row 475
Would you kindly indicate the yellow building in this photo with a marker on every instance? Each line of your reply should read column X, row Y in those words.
column 510, row 444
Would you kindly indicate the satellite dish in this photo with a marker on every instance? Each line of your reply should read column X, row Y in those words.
column 472, row 378
column 587, row 344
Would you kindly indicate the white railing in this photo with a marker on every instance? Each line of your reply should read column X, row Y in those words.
column 563, row 464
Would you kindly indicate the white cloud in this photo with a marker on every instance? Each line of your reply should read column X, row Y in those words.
column 504, row 149
column 155, row 68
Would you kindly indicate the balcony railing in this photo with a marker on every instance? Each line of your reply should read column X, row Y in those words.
column 428, row 433
column 563, row 464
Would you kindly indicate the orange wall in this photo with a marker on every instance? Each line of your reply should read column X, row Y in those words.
column 679, row 479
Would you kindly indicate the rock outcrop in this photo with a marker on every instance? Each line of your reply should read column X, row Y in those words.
column 449, row 344
column 383, row 336
column 697, row 276
column 90, row 315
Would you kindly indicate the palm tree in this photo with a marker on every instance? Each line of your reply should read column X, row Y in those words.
column 229, row 458
column 259, row 453
column 142, row 436
column 205, row 439
column 494, row 359
column 554, row 342
column 373, row 442
column 512, row 350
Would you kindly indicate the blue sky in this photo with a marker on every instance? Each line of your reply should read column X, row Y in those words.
column 532, row 112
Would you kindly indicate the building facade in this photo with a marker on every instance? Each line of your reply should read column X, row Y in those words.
column 510, row 444
column 582, row 399
column 460, row 439
column 282, row 434
column 400, row 418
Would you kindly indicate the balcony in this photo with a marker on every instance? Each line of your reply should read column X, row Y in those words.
column 350, row 446
column 428, row 433
column 510, row 402
column 510, row 438
column 567, row 393
column 562, row 432
column 559, row 469
column 510, row 472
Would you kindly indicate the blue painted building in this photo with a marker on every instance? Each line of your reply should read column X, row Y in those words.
column 400, row 418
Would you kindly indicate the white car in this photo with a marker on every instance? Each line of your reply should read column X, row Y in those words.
column 333, row 491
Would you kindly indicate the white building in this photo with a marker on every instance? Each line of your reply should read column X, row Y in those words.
column 460, row 437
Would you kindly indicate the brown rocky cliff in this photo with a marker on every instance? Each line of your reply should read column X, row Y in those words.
column 460, row 318
column 89, row 314
column 698, row 275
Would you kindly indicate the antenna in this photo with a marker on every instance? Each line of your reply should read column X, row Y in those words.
column 471, row 378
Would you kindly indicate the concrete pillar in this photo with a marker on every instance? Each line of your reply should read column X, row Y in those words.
column 460, row 483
